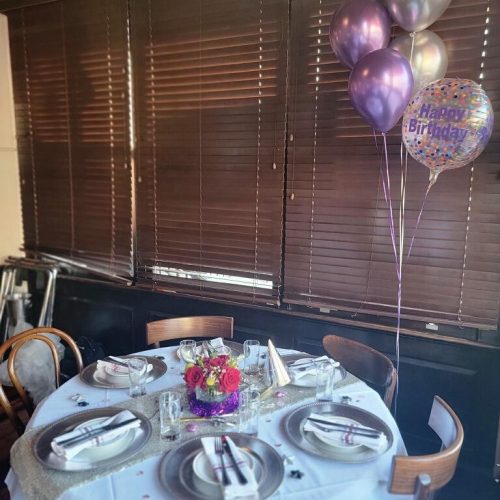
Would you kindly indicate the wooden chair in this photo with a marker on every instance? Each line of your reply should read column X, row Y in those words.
column 366, row 363
column 189, row 327
column 423, row 475
column 16, row 343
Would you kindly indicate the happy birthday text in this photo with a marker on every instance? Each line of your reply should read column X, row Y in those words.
column 435, row 127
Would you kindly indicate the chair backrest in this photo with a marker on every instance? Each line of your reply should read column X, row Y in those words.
column 439, row 467
column 189, row 327
column 16, row 343
column 365, row 363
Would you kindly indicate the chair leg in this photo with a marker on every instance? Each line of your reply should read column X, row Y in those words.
column 423, row 489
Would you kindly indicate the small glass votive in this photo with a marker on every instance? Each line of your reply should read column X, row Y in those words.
column 252, row 363
column 137, row 376
column 249, row 410
column 170, row 415
column 187, row 350
column 325, row 379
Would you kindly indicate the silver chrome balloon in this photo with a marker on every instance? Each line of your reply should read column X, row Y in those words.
column 429, row 59
column 416, row 15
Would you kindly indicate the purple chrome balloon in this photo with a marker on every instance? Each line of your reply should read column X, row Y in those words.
column 380, row 87
column 357, row 28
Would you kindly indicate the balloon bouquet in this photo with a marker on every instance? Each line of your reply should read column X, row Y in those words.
column 447, row 122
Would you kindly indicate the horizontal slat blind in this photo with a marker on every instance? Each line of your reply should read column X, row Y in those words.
column 71, row 91
column 210, row 114
column 338, row 252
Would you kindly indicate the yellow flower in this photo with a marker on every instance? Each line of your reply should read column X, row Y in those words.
column 189, row 365
column 210, row 381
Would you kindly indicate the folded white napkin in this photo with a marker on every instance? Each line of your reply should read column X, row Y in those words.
column 235, row 489
column 217, row 344
column 343, row 437
column 115, row 368
column 68, row 451
column 298, row 370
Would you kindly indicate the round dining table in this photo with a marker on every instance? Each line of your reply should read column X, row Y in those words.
column 320, row 478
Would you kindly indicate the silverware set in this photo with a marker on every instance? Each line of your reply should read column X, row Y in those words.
column 95, row 432
column 221, row 446
column 359, row 430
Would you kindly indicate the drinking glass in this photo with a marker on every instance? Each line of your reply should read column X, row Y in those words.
column 325, row 377
column 137, row 375
column 249, row 410
column 187, row 350
column 252, row 360
column 170, row 415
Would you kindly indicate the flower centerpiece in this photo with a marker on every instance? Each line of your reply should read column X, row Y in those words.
column 212, row 383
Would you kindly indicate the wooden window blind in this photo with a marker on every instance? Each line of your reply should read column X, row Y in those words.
column 338, row 253
column 69, row 61
column 210, row 103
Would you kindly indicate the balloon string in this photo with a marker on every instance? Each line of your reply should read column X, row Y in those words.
column 388, row 200
column 417, row 224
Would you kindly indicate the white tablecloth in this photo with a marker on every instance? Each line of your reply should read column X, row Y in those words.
column 323, row 479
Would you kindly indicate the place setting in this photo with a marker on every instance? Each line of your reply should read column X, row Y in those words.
column 188, row 348
column 122, row 372
column 304, row 368
column 222, row 466
column 92, row 439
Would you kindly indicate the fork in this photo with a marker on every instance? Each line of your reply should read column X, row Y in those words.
column 220, row 451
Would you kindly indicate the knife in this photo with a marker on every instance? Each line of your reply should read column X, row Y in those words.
column 95, row 432
column 225, row 446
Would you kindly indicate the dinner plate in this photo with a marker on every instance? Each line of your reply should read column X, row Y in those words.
column 294, row 423
column 115, row 452
column 114, row 446
column 204, row 478
column 236, row 348
column 98, row 377
column 178, row 478
column 310, row 380
column 343, row 447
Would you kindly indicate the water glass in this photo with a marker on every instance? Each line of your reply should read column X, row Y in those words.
column 249, row 410
column 252, row 360
column 137, row 375
column 187, row 350
column 170, row 415
column 325, row 378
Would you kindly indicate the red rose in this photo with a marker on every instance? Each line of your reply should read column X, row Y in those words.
column 230, row 380
column 219, row 360
column 193, row 376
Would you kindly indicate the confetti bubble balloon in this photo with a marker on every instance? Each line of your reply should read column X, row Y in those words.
column 447, row 124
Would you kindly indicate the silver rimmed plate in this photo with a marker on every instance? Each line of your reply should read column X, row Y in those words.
column 178, row 478
column 309, row 380
column 236, row 348
column 117, row 451
column 97, row 377
column 294, row 427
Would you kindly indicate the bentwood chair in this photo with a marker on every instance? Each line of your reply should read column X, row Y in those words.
column 15, row 343
column 189, row 327
column 366, row 363
column 422, row 475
